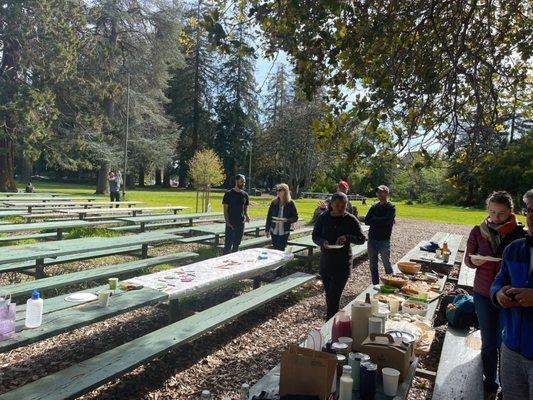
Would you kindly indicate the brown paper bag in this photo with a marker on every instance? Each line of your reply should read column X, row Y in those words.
column 307, row 372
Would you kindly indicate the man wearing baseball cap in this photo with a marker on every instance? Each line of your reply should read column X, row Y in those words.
column 342, row 187
column 380, row 218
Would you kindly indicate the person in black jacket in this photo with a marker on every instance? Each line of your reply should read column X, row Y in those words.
column 336, row 227
column 380, row 217
column 281, row 215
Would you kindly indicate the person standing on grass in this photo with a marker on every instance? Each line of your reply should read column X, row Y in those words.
column 336, row 227
column 235, row 204
column 513, row 291
column 281, row 215
column 490, row 238
column 380, row 218
column 114, row 187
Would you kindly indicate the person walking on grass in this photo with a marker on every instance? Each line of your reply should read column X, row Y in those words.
column 490, row 238
column 336, row 227
column 235, row 204
column 380, row 219
column 281, row 215
column 512, row 290
column 114, row 187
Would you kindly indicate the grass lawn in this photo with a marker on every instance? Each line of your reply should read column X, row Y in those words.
column 259, row 205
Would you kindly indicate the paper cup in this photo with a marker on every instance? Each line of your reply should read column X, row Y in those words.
column 103, row 298
column 346, row 340
column 394, row 306
column 391, row 377
column 113, row 283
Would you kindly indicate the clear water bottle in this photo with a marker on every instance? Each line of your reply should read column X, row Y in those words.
column 206, row 395
column 34, row 310
column 245, row 391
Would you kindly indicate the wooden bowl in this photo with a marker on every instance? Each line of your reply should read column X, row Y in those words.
column 408, row 267
column 396, row 280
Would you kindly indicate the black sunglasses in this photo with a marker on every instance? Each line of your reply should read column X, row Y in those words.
column 527, row 211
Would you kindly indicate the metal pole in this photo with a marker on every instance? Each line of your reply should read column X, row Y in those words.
column 250, row 169
column 126, row 138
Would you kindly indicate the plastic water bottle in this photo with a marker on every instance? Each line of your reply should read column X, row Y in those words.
column 245, row 391
column 206, row 395
column 34, row 310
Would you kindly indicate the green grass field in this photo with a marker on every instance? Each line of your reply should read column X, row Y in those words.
column 259, row 205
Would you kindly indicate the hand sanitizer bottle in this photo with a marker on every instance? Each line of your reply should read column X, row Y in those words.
column 34, row 310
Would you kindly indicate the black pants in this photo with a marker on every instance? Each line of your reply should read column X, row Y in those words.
column 114, row 196
column 334, row 283
column 279, row 242
column 233, row 238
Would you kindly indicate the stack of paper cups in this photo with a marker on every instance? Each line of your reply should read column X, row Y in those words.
column 360, row 314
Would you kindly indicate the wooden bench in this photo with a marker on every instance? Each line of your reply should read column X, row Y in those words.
column 94, row 372
column 466, row 276
column 262, row 240
column 94, row 274
column 34, row 236
column 460, row 371
column 197, row 239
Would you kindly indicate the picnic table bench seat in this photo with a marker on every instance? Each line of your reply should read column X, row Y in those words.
column 466, row 276
column 94, row 372
column 262, row 240
column 460, row 370
column 45, row 235
column 94, row 274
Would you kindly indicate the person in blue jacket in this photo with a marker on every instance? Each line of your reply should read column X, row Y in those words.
column 513, row 291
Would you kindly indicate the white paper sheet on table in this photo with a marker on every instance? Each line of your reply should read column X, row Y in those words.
column 214, row 272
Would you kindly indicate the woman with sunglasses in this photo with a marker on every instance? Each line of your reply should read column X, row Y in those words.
column 490, row 238
column 282, row 213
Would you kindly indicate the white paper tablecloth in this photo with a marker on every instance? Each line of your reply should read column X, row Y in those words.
column 214, row 272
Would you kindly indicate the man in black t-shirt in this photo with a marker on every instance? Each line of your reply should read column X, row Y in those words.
column 235, row 203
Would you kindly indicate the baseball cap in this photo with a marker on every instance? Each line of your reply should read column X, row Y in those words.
column 382, row 188
column 343, row 185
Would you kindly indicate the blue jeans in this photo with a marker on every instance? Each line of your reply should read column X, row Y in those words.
column 491, row 337
column 379, row 248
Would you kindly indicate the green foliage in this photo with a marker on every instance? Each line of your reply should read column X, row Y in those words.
column 76, row 233
column 205, row 169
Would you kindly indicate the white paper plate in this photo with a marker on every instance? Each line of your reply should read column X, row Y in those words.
column 81, row 297
column 484, row 258
column 335, row 246
column 279, row 219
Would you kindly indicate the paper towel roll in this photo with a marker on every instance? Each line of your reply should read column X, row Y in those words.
column 360, row 314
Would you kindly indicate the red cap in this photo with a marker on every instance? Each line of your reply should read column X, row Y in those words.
column 343, row 185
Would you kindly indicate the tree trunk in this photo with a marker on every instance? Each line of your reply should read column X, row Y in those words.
column 102, row 185
column 166, row 177
column 26, row 170
column 7, row 172
column 141, row 177
column 157, row 177
column 470, row 192
column 182, row 174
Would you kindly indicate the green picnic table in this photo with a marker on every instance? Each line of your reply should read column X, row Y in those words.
column 424, row 257
column 45, row 199
column 68, row 204
column 57, row 226
column 270, row 382
column 38, row 252
column 146, row 219
column 82, row 213
column 219, row 230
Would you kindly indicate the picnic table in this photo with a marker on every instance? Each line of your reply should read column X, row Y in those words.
column 38, row 252
column 270, row 382
column 212, row 274
column 82, row 213
column 45, row 199
column 219, row 230
column 69, row 204
column 147, row 219
column 57, row 226
column 424, row 257
column 24, row 194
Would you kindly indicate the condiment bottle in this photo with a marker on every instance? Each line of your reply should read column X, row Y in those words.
column 34, row 310
column 346, row 383
column 367, row 298
column 368, row 380
column 445, row 248
column 245, row 391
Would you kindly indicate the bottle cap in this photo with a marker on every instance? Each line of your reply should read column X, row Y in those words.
column 347, row 369
column 205, row 393
column 35, row 294
column 245, row 386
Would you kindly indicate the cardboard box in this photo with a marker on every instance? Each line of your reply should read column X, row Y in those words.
column 387, row 351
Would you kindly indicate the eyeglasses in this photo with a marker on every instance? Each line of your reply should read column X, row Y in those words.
column 527, row 211
column 281, row 190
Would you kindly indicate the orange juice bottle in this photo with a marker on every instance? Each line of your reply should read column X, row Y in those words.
column 445, row 248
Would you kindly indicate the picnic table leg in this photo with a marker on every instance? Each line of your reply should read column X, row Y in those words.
column 310, row 259
column 217, row 240
column 59, row 234
column 144, row 251
column 29, row 209
column 257, row 282
column 257, row 230
column 190, row 221
column 175, row 211
column 173, row 310
column 86, row 206
column 39, row 268
column 142, row 226
column 134, row 213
